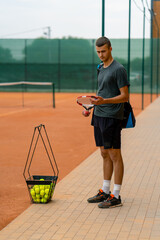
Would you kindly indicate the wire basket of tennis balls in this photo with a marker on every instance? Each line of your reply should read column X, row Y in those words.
column 40, row 187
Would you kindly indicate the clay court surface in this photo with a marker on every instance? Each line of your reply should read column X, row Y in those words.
column 70, row 135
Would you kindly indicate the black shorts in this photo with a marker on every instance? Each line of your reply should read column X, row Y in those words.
column 107, row 132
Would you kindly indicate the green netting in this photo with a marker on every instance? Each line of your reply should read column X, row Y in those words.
column 71, row 63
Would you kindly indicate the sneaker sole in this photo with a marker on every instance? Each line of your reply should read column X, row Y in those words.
column 114, row 206
column 95, row 201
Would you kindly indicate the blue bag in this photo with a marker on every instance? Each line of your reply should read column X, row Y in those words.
column 129, row 120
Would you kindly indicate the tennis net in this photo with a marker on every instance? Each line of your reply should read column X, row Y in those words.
column 26, row 91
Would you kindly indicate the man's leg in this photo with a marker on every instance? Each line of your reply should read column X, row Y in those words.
column 107, row 164
column 116, row 157
column 114, row 199
column 107, row 173
column 107, row 169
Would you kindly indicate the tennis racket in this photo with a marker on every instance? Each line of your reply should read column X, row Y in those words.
column 85, row 101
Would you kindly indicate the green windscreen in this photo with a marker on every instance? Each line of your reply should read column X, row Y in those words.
column 71, row 63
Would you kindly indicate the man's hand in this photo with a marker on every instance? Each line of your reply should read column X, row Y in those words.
column 122, row 97
column 98, row 101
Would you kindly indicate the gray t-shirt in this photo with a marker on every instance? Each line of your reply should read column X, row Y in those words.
column 110, row 80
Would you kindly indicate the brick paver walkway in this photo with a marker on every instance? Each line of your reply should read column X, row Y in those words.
column 70, row 217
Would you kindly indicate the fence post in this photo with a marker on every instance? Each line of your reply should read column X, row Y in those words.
column 129, row 40
column 59, row 65
column 103, row 18
column 93, row 85
column 143, row 58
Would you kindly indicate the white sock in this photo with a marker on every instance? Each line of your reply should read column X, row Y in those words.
column 106, row 186
column 116, row 190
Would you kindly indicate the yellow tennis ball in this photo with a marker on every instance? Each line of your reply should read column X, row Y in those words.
column 37, row 189
column 34, row 199
column 41, row 187
column 44, row 200
column 42, row 192
column 46, row 196
column 32, row 192
column 46, row 191
column 35, row 186
column 38, row 196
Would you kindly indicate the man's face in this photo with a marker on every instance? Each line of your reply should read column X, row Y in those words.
column 104, row 53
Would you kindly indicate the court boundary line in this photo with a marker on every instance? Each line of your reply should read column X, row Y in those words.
column 13, row 112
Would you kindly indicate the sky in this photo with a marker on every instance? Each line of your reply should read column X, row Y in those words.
column 75, row 18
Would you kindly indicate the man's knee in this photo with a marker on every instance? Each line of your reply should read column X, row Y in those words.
column 104, row 153
column 115, row 155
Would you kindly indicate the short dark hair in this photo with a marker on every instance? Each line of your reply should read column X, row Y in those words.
column 102, row 41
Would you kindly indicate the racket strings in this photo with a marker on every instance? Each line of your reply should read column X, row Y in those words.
column 85, row 101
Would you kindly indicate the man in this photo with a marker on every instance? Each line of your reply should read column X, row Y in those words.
column 107, row 119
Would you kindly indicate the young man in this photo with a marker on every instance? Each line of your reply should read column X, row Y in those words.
column 107, row 118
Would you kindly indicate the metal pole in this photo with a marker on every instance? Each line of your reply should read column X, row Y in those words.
column 93, row 47
column 151, row 50
column 143, row 51
column 158, row 64
column 129, row 40
column 49, row 32
column 103, row 17
column 25, row 77
column 59, row 65
column 157, row 79
column 53, row 92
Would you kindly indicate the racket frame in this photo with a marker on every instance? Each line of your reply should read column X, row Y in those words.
column 84, row 105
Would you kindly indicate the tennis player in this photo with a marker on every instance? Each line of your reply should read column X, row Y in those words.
column 107, row 118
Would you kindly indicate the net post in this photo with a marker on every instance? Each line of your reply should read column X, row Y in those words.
column 22, row 94
column 53, row 93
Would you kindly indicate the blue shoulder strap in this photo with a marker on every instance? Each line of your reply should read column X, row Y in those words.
column 99, row 66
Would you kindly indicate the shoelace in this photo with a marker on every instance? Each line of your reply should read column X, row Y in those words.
column 100, row 192
column 110, row 197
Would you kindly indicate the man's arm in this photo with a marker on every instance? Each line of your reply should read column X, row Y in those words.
column 122, row 97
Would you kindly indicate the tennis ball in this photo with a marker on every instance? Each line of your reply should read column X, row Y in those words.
column 41, row 179
column 44, row 200
column 41, row 187
column 47, row 187
column 32, row 192
column 38, row 196
column 86, row 113
column 46, row 191
column 37, row 189
column 46, row 196
column 42, row 192
column 38, row 200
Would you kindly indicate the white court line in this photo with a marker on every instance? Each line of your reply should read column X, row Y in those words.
column 13, row 112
